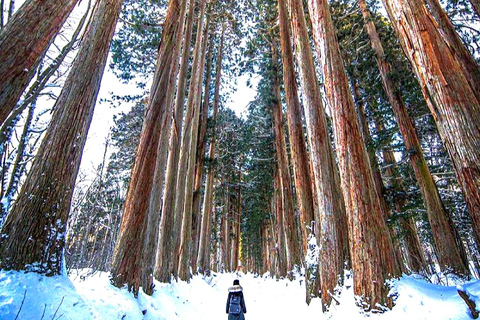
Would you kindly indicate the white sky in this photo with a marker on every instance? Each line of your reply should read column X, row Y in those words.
column 243, row 96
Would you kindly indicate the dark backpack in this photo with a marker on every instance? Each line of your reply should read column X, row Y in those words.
column 235, row 305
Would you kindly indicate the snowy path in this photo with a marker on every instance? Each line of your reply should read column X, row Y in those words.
column 264, row 299
column 31, row 296
column 204, row 299
column 267, row 298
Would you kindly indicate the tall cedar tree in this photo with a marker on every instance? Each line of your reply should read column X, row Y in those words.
column 21, row 50
column 280, row 241
column 127, row 260
column 301, row 162
column 331, row 219
column 166, row 243
column 467, row 62
column 203, row 256
column 195, row 97
column 399, row 190
column 371, row 249
column 413, row 248
column 377, row 175
column 453, row 100
column 286, row 205
column 415, row 256
column 154, row 208
column 444, row 234
column 180, row 190
column 33, row 237
column 201, row 145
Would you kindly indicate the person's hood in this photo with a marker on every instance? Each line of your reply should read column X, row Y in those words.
column 235, row 288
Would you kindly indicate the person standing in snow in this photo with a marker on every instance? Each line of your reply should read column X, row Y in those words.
column 235, row 302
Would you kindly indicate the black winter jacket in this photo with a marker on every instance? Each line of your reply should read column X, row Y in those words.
column 236, row 290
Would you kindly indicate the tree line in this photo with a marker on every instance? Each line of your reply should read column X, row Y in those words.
column 360, row 150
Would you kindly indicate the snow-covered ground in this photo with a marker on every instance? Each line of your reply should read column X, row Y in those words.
column 31, row 296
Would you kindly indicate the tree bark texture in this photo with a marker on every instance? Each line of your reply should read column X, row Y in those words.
column 21, row 49
column 414, row 252
column 371, row 249
column 33, row 237
column 285, row 184
column 446, row 239
column 166, row 242
column 269, row 259
column 202, row 137
column 189, row 146
column 301, row 162
column 227, row 225
column 236, row 230
column 467, row 62
column 330, row 200
column 157, row 100
column 443, row 80
column 224, row 226
column 281, row 248
column 377, row 176
column 127, row 260
column 203, row 257
column 272, row 252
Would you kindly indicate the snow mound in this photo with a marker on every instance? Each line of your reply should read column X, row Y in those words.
column 28, row 296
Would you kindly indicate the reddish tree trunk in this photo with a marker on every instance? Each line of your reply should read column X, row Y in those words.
column 224, row 229
column 157, row 100
column 187, row 132
column 21, row 49
column 202, row 137
column 330, row 200
column 190, row 143
column 127, row 260
column 447, row 241
column 301, row 163
column 377, row 176
column 285, row 183
column 280, row 230
column 444, row 81
column 413, row 248
column 203, row 260
column 468, row 63
column 164, row 255
column 236, row 227
column 34, row 232
column 371, row 249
